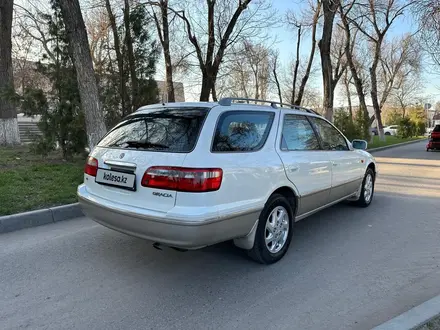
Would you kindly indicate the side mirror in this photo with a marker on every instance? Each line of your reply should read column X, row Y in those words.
column 360, row 144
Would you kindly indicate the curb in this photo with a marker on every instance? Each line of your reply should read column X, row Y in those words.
column 18, row 221
column 415, row 317
column 395, row 145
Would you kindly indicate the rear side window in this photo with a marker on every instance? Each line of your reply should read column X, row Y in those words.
column 242, row 131
column 298, row 134
column 330, row 137
column 436, row 128
column 173, row 130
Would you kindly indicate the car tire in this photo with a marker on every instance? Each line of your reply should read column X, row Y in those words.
column 387, row 133
column 265, row 250
column 367, row 190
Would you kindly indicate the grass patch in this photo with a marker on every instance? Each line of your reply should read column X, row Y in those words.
column 30, row 182
column 431, row 325
column 390, row 140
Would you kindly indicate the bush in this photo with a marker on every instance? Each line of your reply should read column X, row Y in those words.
column 406, row 128
column 420, row 128
column 392, row 116
column 342, row 120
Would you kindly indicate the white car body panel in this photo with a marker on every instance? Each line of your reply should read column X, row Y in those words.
column 143, row 197
column 316, row 178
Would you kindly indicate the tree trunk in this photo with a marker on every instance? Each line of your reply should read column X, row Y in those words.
column 243, row 82
column 9, row 134
column 130, row 53
column 82, row 60
column 206, row 86
column 211, row 64
column 166, row 52
column 376, row 106
column 295, row 71
column 374, row 92
column 164, row 37
column 328, row 100
column 305, row 78
column 348, row 92
column 326, row 63
column 119, row 59
column 214, row 93
column 257, row 85
column 354, row 74
column 277, row 83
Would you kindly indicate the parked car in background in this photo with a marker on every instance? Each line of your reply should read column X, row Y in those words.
column 189, row 175
column 390, row 130
column 434, row 139
column 374, row 131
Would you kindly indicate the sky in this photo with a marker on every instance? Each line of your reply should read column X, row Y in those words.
column 404, row 24
column 286, row 43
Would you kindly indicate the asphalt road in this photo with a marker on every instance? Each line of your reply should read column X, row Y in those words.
column 347, row 268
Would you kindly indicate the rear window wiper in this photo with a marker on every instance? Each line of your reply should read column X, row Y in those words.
column 145, row 144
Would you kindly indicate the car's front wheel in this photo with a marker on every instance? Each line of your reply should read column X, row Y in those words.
column 367, row 189
column 274, row 231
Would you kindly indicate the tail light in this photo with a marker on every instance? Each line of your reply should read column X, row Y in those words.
column 91, row 167
column 183, row 179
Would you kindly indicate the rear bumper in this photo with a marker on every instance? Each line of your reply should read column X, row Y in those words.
column 433, row 145
column 161, row 228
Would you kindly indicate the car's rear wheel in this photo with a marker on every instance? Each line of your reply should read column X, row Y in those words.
column 274, row 231
column 367, row 190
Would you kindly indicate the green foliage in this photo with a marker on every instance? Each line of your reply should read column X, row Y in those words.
column 146, row 49
column 406, row 128
column 146, row 52
column 418, row 117
column 392, row 116
column 356, row 127
column 345, row 123
column 362, row 124
column 414, row 124
column 62, row 119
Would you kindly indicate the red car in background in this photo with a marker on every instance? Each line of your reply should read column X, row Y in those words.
column 434, row 139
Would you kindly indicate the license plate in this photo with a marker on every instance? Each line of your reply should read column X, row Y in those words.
column 117, row 179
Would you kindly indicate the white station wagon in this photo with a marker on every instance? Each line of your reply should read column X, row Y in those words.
column 189, row 175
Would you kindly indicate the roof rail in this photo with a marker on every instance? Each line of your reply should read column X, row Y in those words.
column 227, row 101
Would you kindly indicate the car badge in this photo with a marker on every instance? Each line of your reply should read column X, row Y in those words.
column 121, row 156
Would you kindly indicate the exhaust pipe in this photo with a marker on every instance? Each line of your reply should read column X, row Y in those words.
column 159, row 246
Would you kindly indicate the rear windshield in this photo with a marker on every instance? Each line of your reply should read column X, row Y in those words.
column 173, row 130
